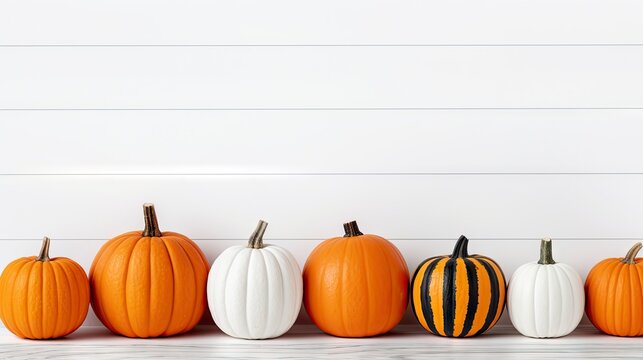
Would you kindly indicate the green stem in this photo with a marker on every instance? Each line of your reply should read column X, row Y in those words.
column 546, row 257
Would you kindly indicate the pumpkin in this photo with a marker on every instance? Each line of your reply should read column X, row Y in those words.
column 545, row 299
column 356, row 285
column 458, row 295
column 614, row 290
column 43, row 298
column 149, row 283
column 255, row 291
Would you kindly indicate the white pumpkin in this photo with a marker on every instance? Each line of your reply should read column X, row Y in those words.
column 545, row 299
column 255, row 291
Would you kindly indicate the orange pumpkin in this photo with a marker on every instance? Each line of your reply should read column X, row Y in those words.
column 43, row 298
column 149, row 284
column 614, row 293
column 356, row 285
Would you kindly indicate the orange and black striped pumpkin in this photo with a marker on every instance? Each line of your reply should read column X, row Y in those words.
column 458, row 295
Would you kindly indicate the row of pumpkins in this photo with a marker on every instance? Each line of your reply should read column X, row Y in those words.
column 152, row 283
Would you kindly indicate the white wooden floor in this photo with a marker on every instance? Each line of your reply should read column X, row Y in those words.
column 306, row 342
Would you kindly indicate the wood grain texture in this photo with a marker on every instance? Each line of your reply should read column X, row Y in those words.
column 298, row 142
column 320, row 22
column 305, row 342
column 320, row 77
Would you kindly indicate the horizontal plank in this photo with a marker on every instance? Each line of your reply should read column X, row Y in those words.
column 318, row 142
column 321, row 22
column 509, row 254
column 320, row 77
column 314, row 207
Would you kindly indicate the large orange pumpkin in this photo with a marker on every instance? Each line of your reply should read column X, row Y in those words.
column 149, row 284
column 614, row 293
column 356, row 285
column 43, row 298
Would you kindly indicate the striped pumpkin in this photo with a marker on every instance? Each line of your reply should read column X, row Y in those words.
column 458, row 295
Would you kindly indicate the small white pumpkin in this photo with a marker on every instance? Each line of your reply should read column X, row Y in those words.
column 545, row 299
column 255, row 291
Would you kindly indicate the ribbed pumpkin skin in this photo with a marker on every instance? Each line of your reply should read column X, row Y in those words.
column 43, row 299
column 545, row 301
column 356, row 286
column 149, row 286
column 458, row 296
column 614, row 293
column 255, row 293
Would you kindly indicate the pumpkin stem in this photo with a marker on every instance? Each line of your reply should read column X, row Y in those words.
column 256, row 239
column 630, row 257
column 44, row 250
column 546, row 257
column 151, row 223
column 460, row 250
column 351, row 229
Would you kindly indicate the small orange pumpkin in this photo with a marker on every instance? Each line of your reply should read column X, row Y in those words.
column 43, row 298
column 149, row 284
column 356, row 285
column 614, row 293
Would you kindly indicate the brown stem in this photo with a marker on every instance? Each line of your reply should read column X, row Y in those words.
column 546, row 257
column 256, row 239
column 151, row 223
column 351, row 229
column 44, row 250
column 630, row 257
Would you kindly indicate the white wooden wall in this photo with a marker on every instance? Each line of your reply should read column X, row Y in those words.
column 503, row 120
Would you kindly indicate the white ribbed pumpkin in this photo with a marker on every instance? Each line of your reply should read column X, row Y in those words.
column 545, row 299
column 255, row 291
